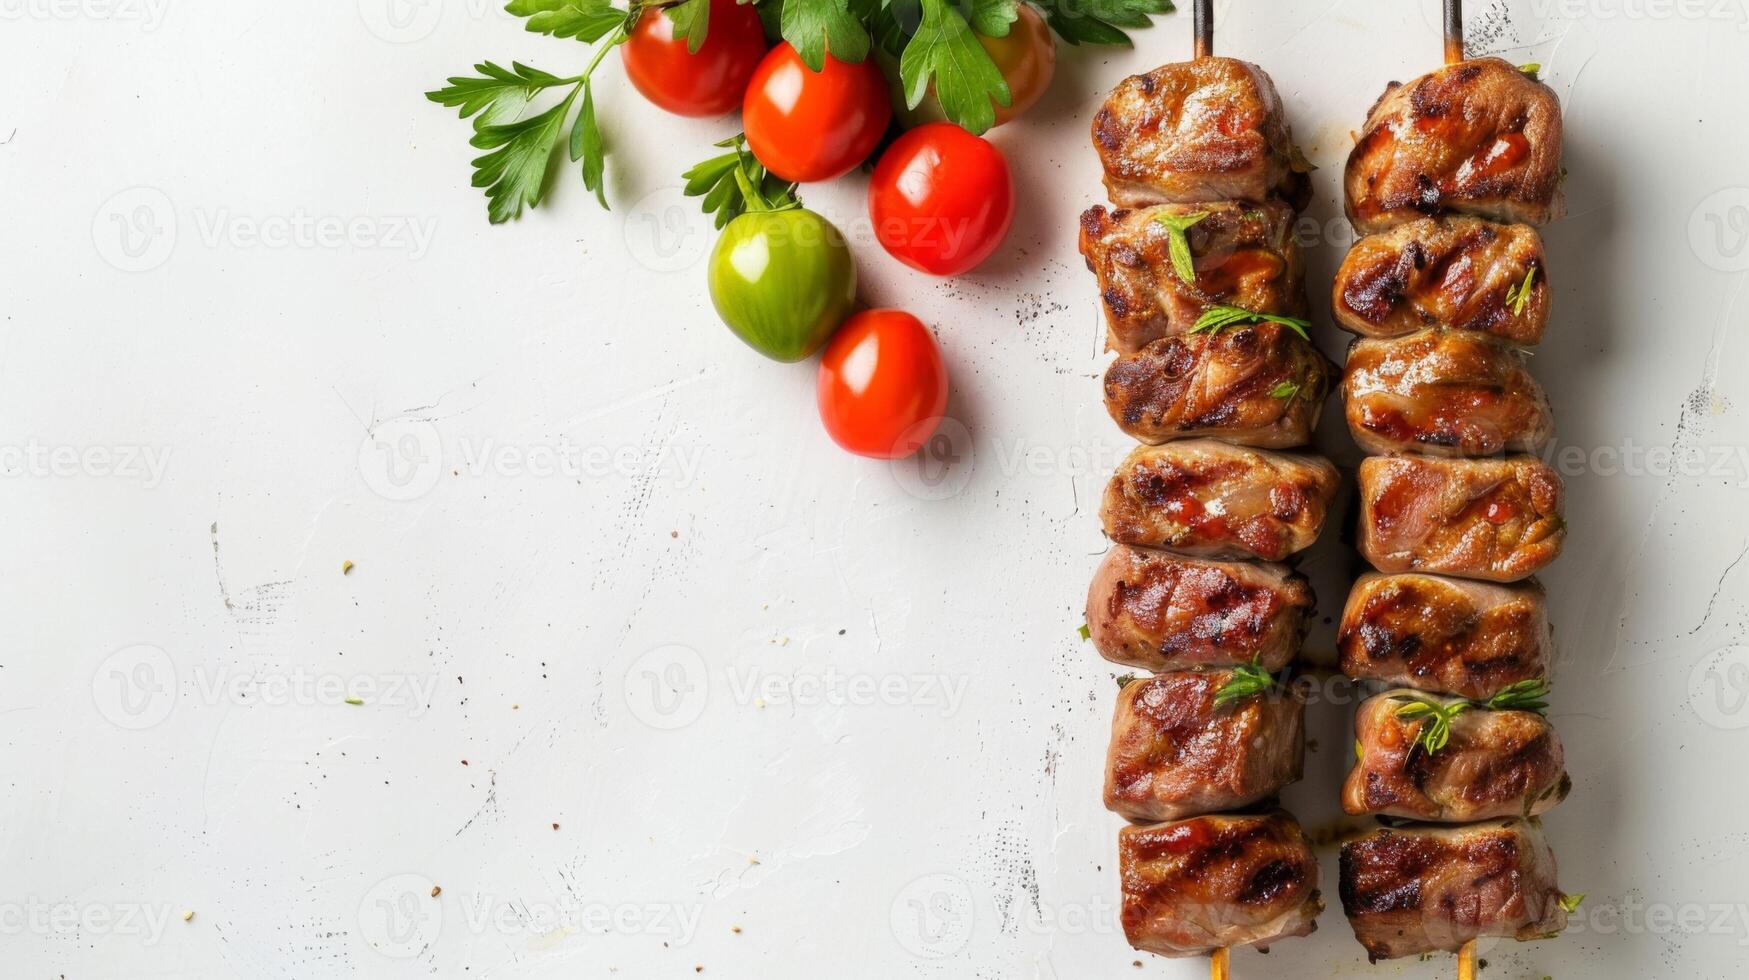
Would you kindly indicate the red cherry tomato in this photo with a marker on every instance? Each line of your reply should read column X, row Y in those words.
column 807, row 125
column 882, row 385
column 706, row 82
column 941, row 199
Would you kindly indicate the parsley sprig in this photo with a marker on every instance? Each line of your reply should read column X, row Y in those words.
column 935, row 43
column 1247, row 681
column 1221, row 316
column 1437, row 714
column 736, row 182
column 1287, row 390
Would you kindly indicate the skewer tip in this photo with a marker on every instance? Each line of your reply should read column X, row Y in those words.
column 1454, row 31
column 1203, row 23
column 1218, row 963
column 1467, row 961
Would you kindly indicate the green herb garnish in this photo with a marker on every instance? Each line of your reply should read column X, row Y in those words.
column 1518, row 295
column 1528, row 695
column 1439, row 713
column 1086, row 633
column 1178, row 243
column 1436, row 717
column 1124, row 680
column 1248, row 680
column 1570, row 903
column 1221, row 316
column 1531, row 68
column 736, row 182
column 1286, row 390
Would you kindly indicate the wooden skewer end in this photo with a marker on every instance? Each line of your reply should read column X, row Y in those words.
column 1467, row 961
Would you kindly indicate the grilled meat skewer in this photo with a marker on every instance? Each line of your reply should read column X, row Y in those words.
column 1446, row 635
column 1496, row 764
column 1208, row 499
column 1477, row 137
column 1444, row 393
column 1259, row 385
column 1455, row 272
column 1204, row 130
column 1194, row 886
column 1162, row 612
column 1176, row 753
column 1493, row 519
column 1243, row 254
column 1424, row 888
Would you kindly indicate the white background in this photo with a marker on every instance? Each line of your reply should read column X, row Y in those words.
column 657, row 663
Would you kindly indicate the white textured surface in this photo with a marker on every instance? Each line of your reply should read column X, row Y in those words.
column 946, row 824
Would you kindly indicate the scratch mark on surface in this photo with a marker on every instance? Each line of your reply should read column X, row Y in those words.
column 489, row 806
column 1718, row 588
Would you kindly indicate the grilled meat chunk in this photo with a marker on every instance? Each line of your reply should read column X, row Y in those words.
column 1175, row 753
column 1244, row 255
column 1206, row 130
column 1492, row 519
column 1456, row 272
column 1198, row 885
column 1471, row 639
column 1496, row 764
column 1259, row 385
column 1479, row 137
column 1444, row 393
column 1206, row 498
column 1161, row 612
column 1420, row 889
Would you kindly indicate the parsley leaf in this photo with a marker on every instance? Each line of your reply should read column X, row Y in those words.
column 736, row 182
column 1570, row 903
column 514, row 173
column 502, row 92
column 1531, row 68
column 1221, row 316
column 813, row 27
column 585, row 20
column 967, row 81
column 587, row 145
column 993, row 18
column 1097, row 21
column 692, row 19
column 1178, row 244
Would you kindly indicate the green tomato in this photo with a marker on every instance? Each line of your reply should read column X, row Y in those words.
column 783, row 281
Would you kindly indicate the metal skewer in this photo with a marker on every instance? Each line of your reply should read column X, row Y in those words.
column 1454, row 31
column 1203, row 20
